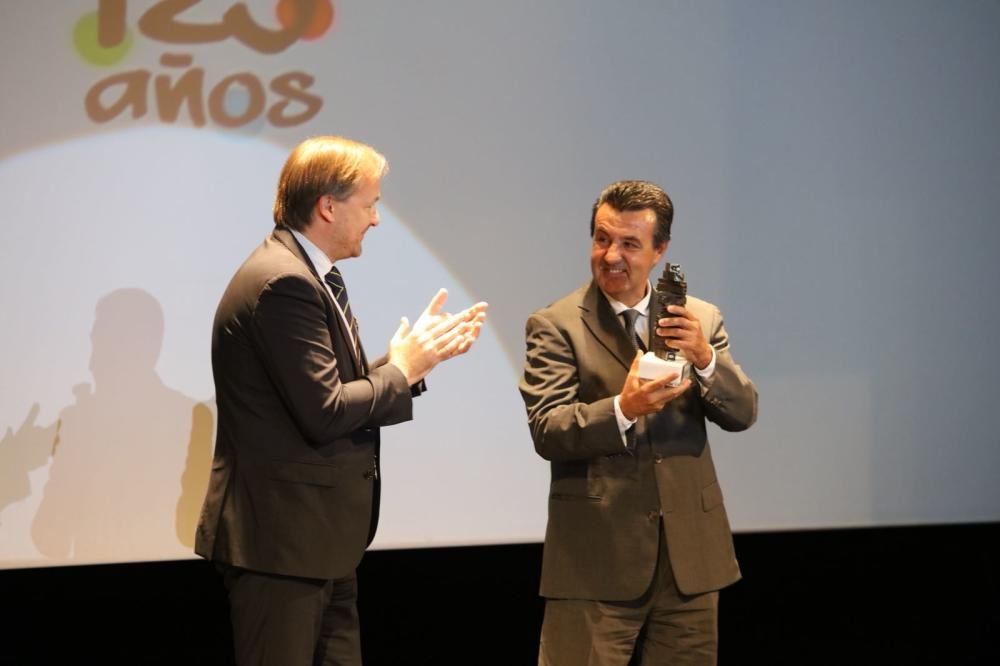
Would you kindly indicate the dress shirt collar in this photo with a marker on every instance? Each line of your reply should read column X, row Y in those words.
column 322, row 264
column 642, row 306
column 318, row 257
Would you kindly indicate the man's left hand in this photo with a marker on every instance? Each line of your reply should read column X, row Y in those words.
column 684, row 334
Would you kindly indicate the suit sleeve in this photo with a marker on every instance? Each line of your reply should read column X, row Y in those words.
column 729, row 397
column 292, row 336
column 415, row 389
column 562, row 426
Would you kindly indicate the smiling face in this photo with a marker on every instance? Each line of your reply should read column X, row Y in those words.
column 351, row 218
column 622, row 253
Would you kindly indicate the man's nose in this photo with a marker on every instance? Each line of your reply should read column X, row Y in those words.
column 612, row 256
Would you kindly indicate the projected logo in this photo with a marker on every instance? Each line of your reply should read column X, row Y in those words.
column 104, row 39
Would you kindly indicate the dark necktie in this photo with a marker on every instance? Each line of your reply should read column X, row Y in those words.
column 336, row 282
column 630, row 316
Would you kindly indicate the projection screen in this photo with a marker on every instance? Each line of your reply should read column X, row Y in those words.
column 834, row 168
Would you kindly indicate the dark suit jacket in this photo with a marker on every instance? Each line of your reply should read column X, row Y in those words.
column 606, row 500
column 294, row 483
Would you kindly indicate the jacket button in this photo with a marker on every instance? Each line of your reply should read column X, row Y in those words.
column 658, row 459
column 653, row 515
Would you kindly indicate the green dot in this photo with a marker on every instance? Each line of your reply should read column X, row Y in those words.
column 87, row 46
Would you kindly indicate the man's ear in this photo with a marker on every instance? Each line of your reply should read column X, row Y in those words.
column 324, row 207
column 661, row 250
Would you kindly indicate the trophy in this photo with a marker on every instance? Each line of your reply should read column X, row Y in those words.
column 661, row 359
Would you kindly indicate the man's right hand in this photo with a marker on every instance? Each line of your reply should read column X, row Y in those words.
column 647, row 396
column 435, row 337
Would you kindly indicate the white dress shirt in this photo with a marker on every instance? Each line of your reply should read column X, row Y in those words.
column 642, row 330
column 322, row 264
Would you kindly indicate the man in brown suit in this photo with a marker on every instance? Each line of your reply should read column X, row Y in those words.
column 638, row 543
column 293, row 496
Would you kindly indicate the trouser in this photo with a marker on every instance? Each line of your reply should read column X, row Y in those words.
column 289, row 621
column 663, row 626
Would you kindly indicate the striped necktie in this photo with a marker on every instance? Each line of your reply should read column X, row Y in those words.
column 336, row 282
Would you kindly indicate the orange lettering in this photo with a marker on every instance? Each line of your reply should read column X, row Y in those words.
column 160, row 22
column 292, row 86
column 110, row 23
column 134, row 95
column 169, row 98
column 217, row 100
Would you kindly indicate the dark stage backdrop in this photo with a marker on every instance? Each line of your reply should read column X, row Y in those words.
column 903, row 595
column 836, row 173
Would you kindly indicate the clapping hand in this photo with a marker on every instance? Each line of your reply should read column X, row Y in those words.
column 436, row 336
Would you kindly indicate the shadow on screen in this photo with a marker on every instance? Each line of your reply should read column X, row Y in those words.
column 129, row 458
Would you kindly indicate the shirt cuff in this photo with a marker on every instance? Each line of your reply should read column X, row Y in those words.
column 708, row 370
column 623, row 423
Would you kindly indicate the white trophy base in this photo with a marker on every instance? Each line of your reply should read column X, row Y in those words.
column 652, row 366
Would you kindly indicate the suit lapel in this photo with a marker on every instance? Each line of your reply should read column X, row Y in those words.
column 338, row 329
column 602, row 322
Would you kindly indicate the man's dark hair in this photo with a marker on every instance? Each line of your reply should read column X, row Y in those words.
column 627, row 195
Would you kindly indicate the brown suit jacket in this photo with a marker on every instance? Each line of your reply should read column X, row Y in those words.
column 294, row 482
column 606, row 499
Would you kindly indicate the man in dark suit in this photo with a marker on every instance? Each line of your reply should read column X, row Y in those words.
column 293, row 496
column 638, row 543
